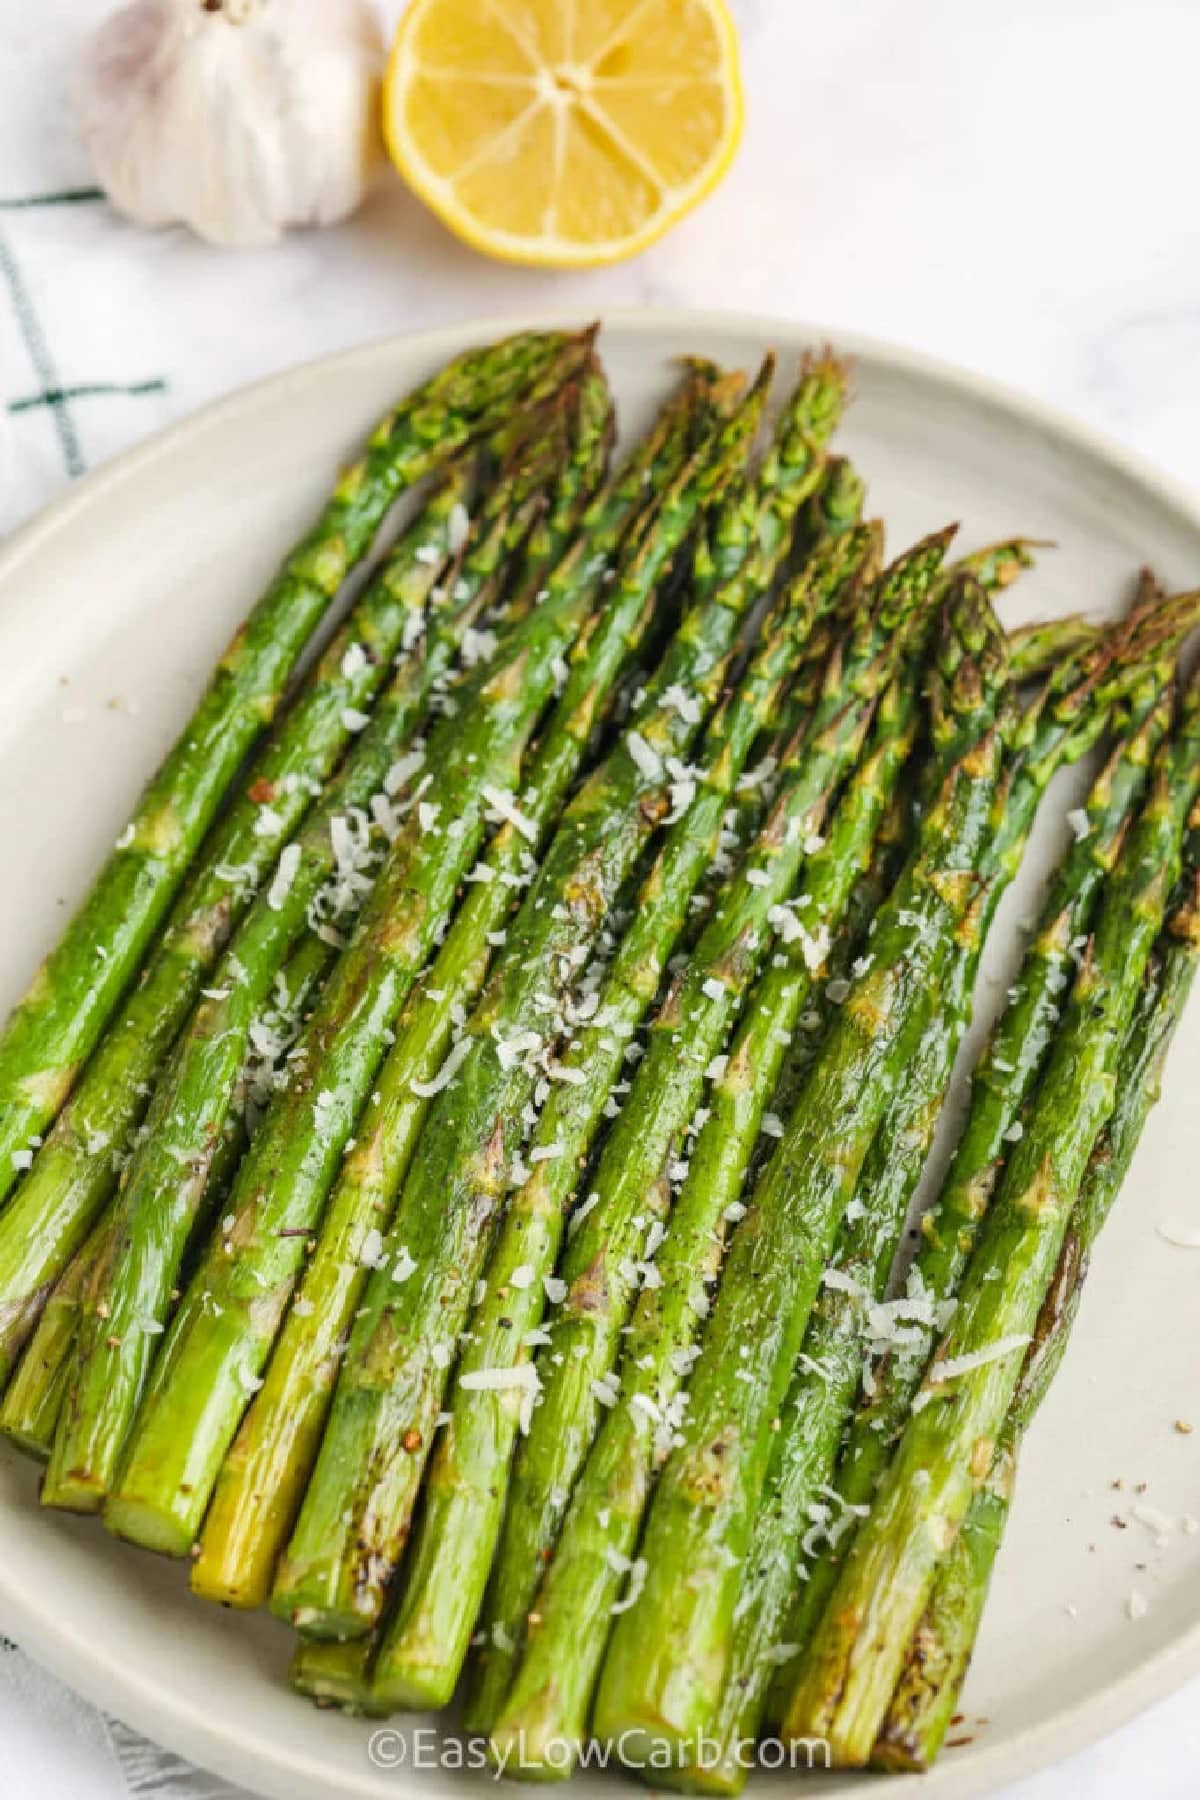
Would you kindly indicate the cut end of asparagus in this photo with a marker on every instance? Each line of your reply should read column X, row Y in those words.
column 336, row 1675
column 726, row 1776
column 324, row 1621
column 899, row 1755
column 652, row 1723
column 405, row 1685
column 28, row 1440
column 507, row 1762
column 138, row 1523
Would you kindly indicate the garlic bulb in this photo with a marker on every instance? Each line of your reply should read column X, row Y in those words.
column 236, row 117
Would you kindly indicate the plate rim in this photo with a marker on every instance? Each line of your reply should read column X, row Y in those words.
column 164, row 1713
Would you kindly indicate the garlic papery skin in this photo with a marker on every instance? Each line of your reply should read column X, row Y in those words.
column 235, row 117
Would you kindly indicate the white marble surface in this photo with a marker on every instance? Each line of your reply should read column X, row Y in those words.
column 1010, row 186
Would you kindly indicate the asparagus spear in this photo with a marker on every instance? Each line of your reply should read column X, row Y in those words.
column 926, row 1696
column 1034, row 649
column 1004, row 1077
column 856, row 1652
column 356, row 1513
column 834, row 510
column 75, row 1172
column 163, row 1187
column 221, row 1338
column 579, row 481
column 688, row 1031
column 662, row 1675
column 61, row 1016
column 336, row 1674
column 424, row 1648
column 799, row 1508
column 263, row 1476
column 547, row 1706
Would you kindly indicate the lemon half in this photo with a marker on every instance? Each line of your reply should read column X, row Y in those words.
column 563, row 132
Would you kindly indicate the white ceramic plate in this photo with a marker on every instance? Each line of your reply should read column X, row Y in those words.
column 113, row 606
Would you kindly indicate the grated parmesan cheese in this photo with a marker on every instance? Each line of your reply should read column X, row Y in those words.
column 647, row 761
column 402, row 771
column 953, row 1366
column 506, row 806
column 637, row 1572
column 523, row 1380
column 457, row 527
column 286, row 871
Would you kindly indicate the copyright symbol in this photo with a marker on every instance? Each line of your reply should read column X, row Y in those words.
column 386, row 1748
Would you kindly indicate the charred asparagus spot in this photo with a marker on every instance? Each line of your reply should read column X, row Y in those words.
column 800, row 1512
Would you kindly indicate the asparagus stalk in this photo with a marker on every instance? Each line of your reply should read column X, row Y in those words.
column 424, row 1648
column 59, row 1020
column 1002, row 1082
column 263, row 1477
column 995, row 566
column 336, row 1674
column 833, row 511
column 856, row 1653
column 688, row 1031
column 926, row 1696
column 163, row 1188
column 662, row 1675
column 799, row 1508
column 76, row 1171
column 547, row 1706
column 356, row 1513
column 223, row 1333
